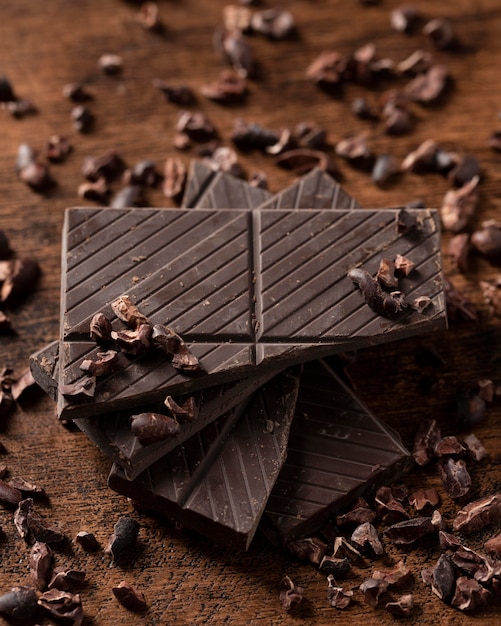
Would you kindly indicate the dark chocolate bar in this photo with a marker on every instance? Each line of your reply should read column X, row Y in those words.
column 218, row 482
column 210, row 189
column 243, row 288
column 315, row 190
column 337, row 450
column 113, row 435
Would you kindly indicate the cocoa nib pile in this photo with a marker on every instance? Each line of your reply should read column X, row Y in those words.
column 361, row 555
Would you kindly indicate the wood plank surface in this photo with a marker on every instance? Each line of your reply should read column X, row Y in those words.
column 43, row 46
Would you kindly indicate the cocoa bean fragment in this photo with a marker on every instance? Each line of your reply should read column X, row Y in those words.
column 309, row 549
column 124, row 538
column 290, row 594
column 152, row 427
column 478, row 514
column 338, row 597
column 40, row 564
column 130, row 597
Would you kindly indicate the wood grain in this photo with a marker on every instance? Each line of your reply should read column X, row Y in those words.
column 43, row 46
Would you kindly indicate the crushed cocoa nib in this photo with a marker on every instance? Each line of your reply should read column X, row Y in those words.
column 103, row 366
column 20, row 603
column 358, row 514
column 57, row 148
column 128, row 312
column 303, row 160
column 417, row 62
column 487, row 241
column 474, row 447
column 9, row 494
column 67, row 579
column 7, row 403
column 399, row 575
column 328, row 70
column 175, row 348
column 77, row 92
column 7, row 93
column 365, row 536
column 87, row 540
column 330, row 565
column 186, row 412
column 143, row 173
column 423, row 498
column 404, row 18
column 402, row 606
column 229, row 88
column 174, row 178
column 342, row 548
column 458, row 206
column 286, row 142
column 127, row 196
column 356, row 151
column 236, row 51
column 364, row 110
column 83, row 387
column 135, row 341
column 478, row 514
column 449, row 446
column 443, row 578
column 18, row 482
column 493, row 546
column 152, row 427
column 176, row 94
column 129, row 597
column 441, row 33
column 427, row 435
column 403, row 266
column 124, row 538
column 23, row 382
column 110, row 63
column 405, row 221
column 20, row 277
column 389, row 509
column 458, row 305
column 273, row 23
column 470, row 595
column 455, row 477
column 428, row 87
column 224, row 159
column 32, row 527
column 386, row 167
column 372, row 589
column 108, row 165
column 383, row 303
column 467, row 167
column 148, row 16
column 458, row 250
column 290, row 594
column 63, row 605
column 411, row 530
column 196, row 125
column 82, row 118
column 338, row 597
column 309, row 549
column 310, row 135
column 40, row 564
column 100, row 328
column 423, row 159
column 386, row 273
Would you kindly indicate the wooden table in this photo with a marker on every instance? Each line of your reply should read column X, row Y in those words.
column 186, row 579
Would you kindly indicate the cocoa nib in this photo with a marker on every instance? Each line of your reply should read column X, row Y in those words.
column 129, row 597
column 383, row 303
column 338, row 597
column 19, row 277
column 443, row 578
column 470, row 595
column 411, row 530
column 67, row 579
column 174, row 178
column 401, row 607
column 196, row 126
column 449, row 446
column 184, row 412
column 40, row 564
column 459, row 307
column 108, row 165
column 366, row 538
column 100, row 328
column 20, row 603
column 458, row 206
column 478, row 514
column 458, row 251
column 229, row 88
column 171, row 343
column 455, row 477
column 32, row 527
column 290, row 593
column 128, row 312
column 487, row 241
column 103, row 366
column 474, row 448
column 9, row 494
column 405, row 222
column 359, row 514
column 124, row 538
column 303, row 160
column 63, row 605
column 309, row 549
column 330, row 565
column 422, row 498
column 135, row 341
column 399, row 575
column 83, row 387
column 152, row 427
column 372, row 588
column 493, row 546
column 429, row 86
column 87, row 540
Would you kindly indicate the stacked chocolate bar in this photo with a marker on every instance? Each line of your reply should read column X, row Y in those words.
column 262, row 292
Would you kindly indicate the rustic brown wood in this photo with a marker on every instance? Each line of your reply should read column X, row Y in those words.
column 187, row 580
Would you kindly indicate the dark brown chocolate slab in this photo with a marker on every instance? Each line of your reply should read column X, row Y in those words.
column 243, row 288
column 315, row 190
column 218, row 482
column 210, row 189
column 337, row 451
column 113, row 435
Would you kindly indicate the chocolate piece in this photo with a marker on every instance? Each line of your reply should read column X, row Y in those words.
column 114, row 437
column 234, row 286
column 315, row 190
column 337, row 451
column 218, row 482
